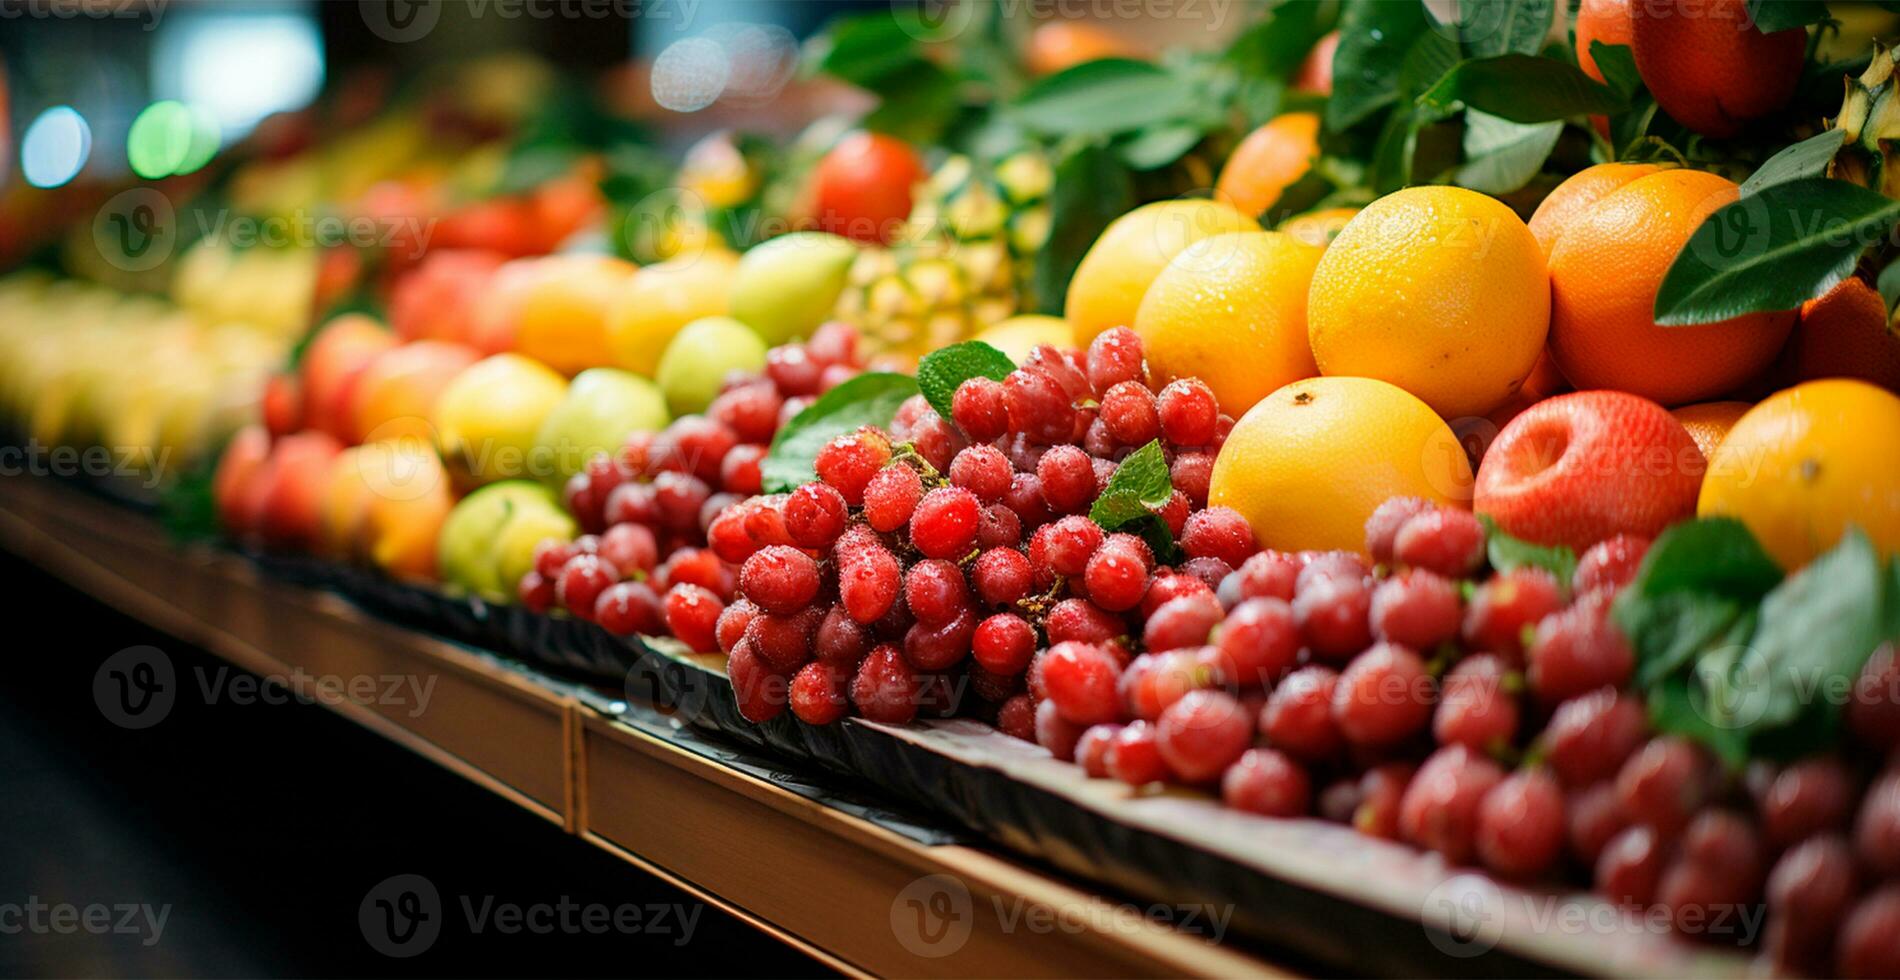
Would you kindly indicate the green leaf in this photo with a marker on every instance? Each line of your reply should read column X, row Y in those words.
column 868, row 399
column 1888, row 283
column 1109, row 95
column 941, row 371
column 1780, row 15
column 1522, row 88
column 1092, row 188
column 1618, row 65
column 865, row 50
column 1773, row 250
column 1501, row 155
column 1157, row 146
column 1494, row 27
column 1808, row 158
column 1668, row 632
column 1273, row 48
column 918, row 104
column 1139, row 487
column 1817, row 629
column 1716, row 554
column 1392, row 156
column 1673, row 711
column 1374, row 35
column 1507, row 553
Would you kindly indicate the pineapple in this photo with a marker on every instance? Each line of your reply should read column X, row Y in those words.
column 963, row 263
column 1870, row 116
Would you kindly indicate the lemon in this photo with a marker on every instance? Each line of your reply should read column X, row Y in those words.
column 1109, row 283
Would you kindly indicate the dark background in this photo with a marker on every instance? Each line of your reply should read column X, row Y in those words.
column 264, row 827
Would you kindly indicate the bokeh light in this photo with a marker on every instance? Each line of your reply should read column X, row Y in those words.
column 55, row 147
column 206, row 137
column 160, row 140
column 689, row 75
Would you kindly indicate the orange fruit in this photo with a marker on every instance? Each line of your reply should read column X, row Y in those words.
column 1707, row 65
column 1061, row 44
column 1309, row 463
column 1579, row 468
column 1318, row 227
column 1231, row 310
column 560, row 313
column 394, row 396
column 1115, row 273
column 1316, row 72
column 663, row 298
column 1807, row 463
column 1844, row 334
column 1439, row 290
column 1577, row 194
column 1709, row 422
column 1600, row 20
column 1606, row 264
column 1268, row 161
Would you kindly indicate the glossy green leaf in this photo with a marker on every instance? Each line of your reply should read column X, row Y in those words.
column 1808, row 158
column 1493, row 27
column 942, row 371
column 1522, row 88
column 868, row 399
column 1781, row 15
column 1278, row 44
column 1618, row 65
column 1502, row 156
column 1773, row 250
column 1374, row 35
column 1109, row 95
column 1092, row 188
column 1507, row 553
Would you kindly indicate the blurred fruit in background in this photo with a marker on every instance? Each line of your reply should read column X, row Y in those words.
column 784, row 288
column 1604, row 21
column 560, row 306
column 707, row 351
column 863, row 188
column 1316, row 72
column 487, row 541
column 1309, row 463
column 662, row 298
column 394, row 394
column 1607, row 260
column 1268, row 161
column 1018, row 335
column 337, row 354
column 384, row 504
column 440, row 298
column 1806, row 463
column 1439, row 290
column 1231, row 310
column 602, row 407
column 1060, row 44
column 1115, row 273
column 487, row 419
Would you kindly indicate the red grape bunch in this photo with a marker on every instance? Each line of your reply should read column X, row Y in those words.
column 643, row 565
column 929, row 566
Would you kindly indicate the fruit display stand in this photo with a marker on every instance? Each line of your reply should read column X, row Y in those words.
column 564, row 753
column 695, row 812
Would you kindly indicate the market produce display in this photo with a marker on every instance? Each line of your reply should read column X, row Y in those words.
column 1483, row 434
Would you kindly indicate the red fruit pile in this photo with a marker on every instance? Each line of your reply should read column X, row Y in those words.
column 925, row 568
column 644, row 565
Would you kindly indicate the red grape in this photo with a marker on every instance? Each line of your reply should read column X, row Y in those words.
column 1257, row 643
column 1091, row 750
column 1877, row 827
column 1609, row 564
column 1017, row 718
column 1182, row 622
column 1333, row 613
column 1267, row 782
column 1508, row 605
column 1383, row 697
column 1128, row 414
column 1114, row 357
column 1810, row 890
column 1664, row 784
column 626, row 608
column 1383, row 526
column 1067, row 479
column 582, row 580
column 849, row 461
column 1202, row 734
column 1417, row 608
column 980, row 409
column 1577, row 651
column 1475, row 708
column 1589, row 737
column 1298, row 717
column 820, row 693
column 1440, row 808
column 1135, row 756
column 760, row 693
column 1116, row 576
column 945, row 523
column 1080, row 679
column 868, row 584
column 1809, row 797
column 780, row 579
column 1521, row 825
column 1445, row 540
column 1056, row 733
column 1189, row 412
column 692, row 613
column 815, row 514
column 983, row 470
column 1219, row 532
column 1630, row 867
column 885, row 687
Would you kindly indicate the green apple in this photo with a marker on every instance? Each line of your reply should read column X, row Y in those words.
column 603, row 406
column 466, row 549
column 789, row 285
column 696, row 363
column 487, row 419
column 513, row 553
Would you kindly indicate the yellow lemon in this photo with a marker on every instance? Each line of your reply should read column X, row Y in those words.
column 1231, row 310
column 1439, row 290
column 1309, row 463
column 1113, row 276
column 1019, row 335
column 1805, row 463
